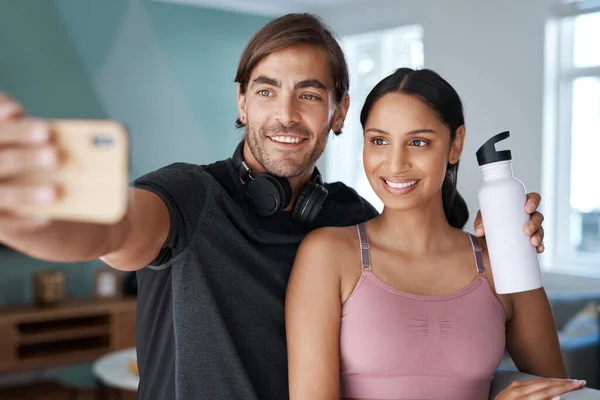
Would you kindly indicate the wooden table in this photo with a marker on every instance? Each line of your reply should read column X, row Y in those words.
column 76, row 331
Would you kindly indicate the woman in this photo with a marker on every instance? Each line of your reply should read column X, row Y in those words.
column 404, row 306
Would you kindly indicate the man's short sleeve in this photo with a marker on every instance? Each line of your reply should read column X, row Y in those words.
column 185, row 189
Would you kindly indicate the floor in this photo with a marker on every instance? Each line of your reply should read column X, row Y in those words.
column 50, row 391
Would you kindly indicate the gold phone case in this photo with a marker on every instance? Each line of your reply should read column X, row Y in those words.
column 93, row 176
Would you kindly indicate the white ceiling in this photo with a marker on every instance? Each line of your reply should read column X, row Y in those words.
column 265, row 7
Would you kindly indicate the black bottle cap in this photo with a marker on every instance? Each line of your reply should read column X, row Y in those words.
column 487, row 153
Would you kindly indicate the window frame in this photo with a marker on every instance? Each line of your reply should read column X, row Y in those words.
column 560, row 75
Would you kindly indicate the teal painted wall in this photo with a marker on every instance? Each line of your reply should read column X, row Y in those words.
column 165, row 70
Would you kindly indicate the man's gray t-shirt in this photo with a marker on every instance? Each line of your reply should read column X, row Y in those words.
column 210, row 318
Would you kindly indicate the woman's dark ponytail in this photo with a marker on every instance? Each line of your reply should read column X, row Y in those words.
column 455, row 207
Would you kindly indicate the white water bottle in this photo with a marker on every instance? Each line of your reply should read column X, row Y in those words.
column 514, row 261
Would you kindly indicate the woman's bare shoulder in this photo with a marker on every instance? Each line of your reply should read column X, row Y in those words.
column 330, row 238
column 329, row 246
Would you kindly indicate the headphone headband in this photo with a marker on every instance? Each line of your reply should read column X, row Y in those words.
column 240, row 165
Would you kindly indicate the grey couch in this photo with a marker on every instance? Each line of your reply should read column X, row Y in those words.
column 568, row 295
column 581, row 353
column 504, row 378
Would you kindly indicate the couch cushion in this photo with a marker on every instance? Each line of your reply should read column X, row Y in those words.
column 582, row 330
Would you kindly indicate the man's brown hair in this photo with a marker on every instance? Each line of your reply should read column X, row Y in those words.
column 288, row 30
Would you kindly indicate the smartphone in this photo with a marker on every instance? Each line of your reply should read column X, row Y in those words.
column 93, row 176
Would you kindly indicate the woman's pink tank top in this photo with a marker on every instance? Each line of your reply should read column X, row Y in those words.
column 396, row 345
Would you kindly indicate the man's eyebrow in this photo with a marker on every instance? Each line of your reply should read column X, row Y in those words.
column 314, row 83
column 265, row 80
column 308, row 83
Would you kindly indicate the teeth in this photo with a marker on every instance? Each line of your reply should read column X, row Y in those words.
column 396, row 185
column 286, row 139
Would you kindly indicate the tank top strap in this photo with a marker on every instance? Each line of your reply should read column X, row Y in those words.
column 478, row 252
column 365, row 257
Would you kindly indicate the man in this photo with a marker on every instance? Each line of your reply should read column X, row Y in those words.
column 213, row 245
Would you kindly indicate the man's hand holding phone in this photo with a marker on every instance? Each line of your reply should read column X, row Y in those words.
column 25, row 147
column 69, row 170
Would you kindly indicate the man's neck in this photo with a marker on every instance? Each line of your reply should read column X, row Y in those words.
column 298, row 183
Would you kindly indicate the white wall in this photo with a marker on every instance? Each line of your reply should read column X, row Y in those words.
column 492, row 52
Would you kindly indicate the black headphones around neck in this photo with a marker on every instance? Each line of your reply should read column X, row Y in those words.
column 269, row 194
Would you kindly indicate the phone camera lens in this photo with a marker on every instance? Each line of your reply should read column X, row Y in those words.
column 103, row 141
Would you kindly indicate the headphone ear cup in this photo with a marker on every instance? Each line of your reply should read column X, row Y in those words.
column 309, row 203
column 301, row 200
column 268, row 194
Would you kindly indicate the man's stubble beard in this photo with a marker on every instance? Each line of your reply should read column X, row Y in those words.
column 283, row 168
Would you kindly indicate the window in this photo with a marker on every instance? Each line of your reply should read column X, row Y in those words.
column 371, row 57
column 572, row 148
